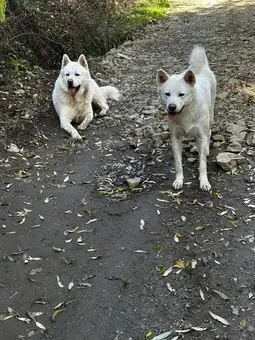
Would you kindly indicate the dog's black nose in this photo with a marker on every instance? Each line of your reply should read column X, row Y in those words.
column 70, row 82
column 171, row 107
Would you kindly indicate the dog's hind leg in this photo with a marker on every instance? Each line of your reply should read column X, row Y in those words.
column 100, row 100
column 104, row 109
column 66, row 125
column 203, row 150
column 103, row 106
column 177, row 152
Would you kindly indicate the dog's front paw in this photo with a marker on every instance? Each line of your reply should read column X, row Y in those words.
column 205, row 185
column 178, row 183
column 76, row 136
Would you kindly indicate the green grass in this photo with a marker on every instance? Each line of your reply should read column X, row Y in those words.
column 147, row 10
column 123, row 25
column 2, row 10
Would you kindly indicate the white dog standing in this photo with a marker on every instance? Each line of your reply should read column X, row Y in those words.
column 189, row 101
column 74, row 93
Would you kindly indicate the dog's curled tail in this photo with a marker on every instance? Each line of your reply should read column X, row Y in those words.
column 198, row 60
column 110, row 92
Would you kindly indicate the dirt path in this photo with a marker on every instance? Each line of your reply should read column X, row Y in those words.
column 114, row 261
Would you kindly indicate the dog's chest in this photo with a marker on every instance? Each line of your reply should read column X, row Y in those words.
column 77, row 109
column 186, row 130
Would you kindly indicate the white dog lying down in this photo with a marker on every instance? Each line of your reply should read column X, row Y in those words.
column 189, row 101
column 74, row 93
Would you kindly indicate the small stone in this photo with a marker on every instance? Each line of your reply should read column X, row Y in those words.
column 209, row 204
column 148, row 132
column 191, row 159
column 123, row 56
column 250, row 329
column 251, row 139
column 20, row 91
column 13, row 148
column 235, row 310
column 233, row 81
column 223, row 95
column 216, row 145
column 194, row 149
column 236, row 128
column 163, row 135
column 228, row 161
column 154, row 21
column 133, row 182
column 127, row 43
column 251, row 152
column 218, row 137
column 239, row 137
column 150, row 111
column 234, row 147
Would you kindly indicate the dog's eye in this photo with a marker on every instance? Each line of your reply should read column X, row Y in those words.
column 181, row 94
column 77, row 74
column 67, row 74
column 167, row 94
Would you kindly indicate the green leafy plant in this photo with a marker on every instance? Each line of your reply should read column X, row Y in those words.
column 18, row 64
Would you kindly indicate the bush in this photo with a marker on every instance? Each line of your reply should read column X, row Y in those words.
column 40, row 32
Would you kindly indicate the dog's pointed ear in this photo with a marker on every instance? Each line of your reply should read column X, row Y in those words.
column 65, row 60
column 162, row 77
column 190, row 78
column 82, row 60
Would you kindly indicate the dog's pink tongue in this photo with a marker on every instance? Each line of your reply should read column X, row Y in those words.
column 173, row 116
column 72, row 91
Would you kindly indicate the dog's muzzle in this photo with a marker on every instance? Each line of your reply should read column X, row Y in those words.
column 72, row 89
column 172, row 113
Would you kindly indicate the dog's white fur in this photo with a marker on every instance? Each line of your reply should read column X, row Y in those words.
column 189, row 100
column 73, row 103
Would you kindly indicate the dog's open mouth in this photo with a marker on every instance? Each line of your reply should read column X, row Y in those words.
column 173, row 115
column 73, row 90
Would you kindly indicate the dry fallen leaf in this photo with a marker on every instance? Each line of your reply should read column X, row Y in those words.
column 142, row 224
column 163, row 336
column 59, row 282
column 148, row 335
column 35, row 271
column 219, row 318
column 199, row 329
column 179, row 264
column 26, row 320
column 70, row 286
column 58, row 250
column 223, row 296
column 39, row 325
column 176, row 238
column 66, row 179
column 172, row 290
column 168, row 271
column 202, row 294
column 56, row 313
column 242, row 324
